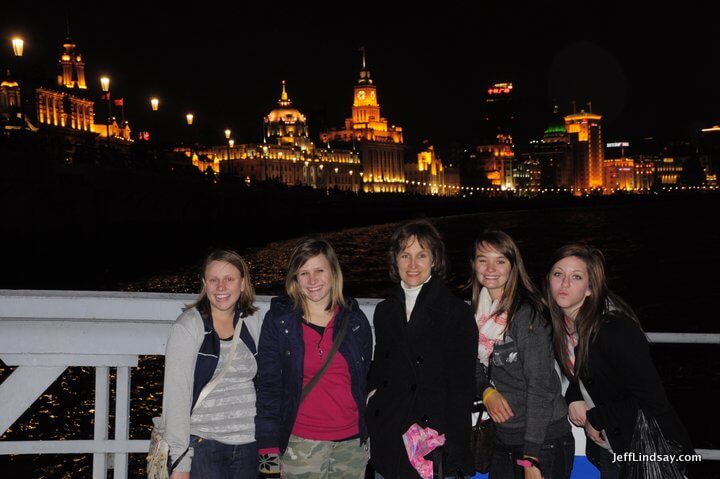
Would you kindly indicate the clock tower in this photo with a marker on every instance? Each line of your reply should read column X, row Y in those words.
column 365, row 109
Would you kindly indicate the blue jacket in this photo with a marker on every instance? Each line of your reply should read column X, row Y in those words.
column 280, row 368
column 209, row 353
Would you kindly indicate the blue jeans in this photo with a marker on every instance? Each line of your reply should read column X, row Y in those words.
column 556, row 459
column 215, row 460
column 602, row 459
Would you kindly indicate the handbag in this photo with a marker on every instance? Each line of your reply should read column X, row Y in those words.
column 482, row 440
column 647, row 446
column 158, row 458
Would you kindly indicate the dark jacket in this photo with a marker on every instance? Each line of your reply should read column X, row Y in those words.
column 423, row 372
column 523, row 371
column 281, row 355
column 209, row 352
column 621, row 379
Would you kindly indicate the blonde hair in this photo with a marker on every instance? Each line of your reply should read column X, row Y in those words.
column 245, row 303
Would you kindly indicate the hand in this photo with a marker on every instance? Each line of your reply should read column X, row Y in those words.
column 577, row 412
column 180, row 475
column 498, row 408
column 594, row 434
column 532, row 473
column 269, row 466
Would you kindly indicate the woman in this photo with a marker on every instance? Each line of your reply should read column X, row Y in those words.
column 320, row 433
column 422, row 371
column 213, row 438
column 602, row 349
column 524, row 399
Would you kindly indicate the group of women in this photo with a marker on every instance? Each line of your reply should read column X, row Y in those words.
column 305, row 396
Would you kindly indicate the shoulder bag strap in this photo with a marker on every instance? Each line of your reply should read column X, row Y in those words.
column 335, row 346
column 211, row 385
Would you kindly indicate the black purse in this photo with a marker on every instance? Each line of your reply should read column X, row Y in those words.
column 482, row 441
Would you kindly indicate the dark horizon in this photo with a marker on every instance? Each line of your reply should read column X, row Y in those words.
column 432, row 68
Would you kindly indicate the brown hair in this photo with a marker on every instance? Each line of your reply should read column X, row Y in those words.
column 303, row 251
column 245, row 303
column 519, row 288
column 590, row 316
column 428, row 237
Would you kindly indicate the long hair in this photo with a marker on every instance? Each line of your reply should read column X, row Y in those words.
column 519, row 288
column 303, row 251
column 590, row 315
column 245, row 303
column 428, row 237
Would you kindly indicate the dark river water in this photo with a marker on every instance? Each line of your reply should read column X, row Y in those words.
column 662, row 257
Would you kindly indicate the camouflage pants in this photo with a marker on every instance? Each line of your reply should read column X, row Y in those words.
column 309, row 459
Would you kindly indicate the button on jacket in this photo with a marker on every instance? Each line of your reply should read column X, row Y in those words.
column 423, row 372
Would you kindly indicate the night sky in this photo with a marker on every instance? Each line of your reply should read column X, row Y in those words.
column 651, row 71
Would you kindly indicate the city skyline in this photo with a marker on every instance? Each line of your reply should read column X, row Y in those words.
column 431, row 68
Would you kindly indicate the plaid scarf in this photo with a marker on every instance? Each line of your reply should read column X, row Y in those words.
column 491, row 326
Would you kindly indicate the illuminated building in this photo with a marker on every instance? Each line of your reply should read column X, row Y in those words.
column 430, row 177
column 527, row 174
column 381, row 146
column 285, row 125
column 10, row 100
column 667, row 171
column 64, row 110
column 644, row 172
column 710, row 153
column 286, row 155
column 619, row 175
column 491, row 164
column 72, row 67
column 554, row 155
column 586, row 137
column 499, row 114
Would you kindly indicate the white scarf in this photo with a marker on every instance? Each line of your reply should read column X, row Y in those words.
column 411, row 294
column 491, row 326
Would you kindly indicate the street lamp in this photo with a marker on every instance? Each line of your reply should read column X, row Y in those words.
column 105, row 85
column 155, row 104
column 18, row 45
column 227, row 137
column 189, row 118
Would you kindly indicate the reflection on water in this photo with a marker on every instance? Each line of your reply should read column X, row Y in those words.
column 662, row 259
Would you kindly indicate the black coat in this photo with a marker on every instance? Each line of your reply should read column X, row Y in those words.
column 621, row 379
column 423, row 372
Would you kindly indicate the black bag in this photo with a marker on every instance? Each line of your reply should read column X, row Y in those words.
column 482, row 441
column 647, row 449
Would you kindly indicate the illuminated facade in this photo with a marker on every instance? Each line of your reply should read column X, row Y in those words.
column 430, row 177
column 285, row 125
column 619, row 175
column 286, row 156
column 9, row 99
column 72, row 67
column 491, row 164
column 586, row 136
column 499, row 114
column 381, row 146
column 64, row 110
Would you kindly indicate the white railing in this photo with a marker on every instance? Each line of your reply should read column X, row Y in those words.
column 44, row 332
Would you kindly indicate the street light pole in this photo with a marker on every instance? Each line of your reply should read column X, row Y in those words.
column 227, row 137
column 155, row 104
column 189, row 118
column 18, row 45
column 105, row 85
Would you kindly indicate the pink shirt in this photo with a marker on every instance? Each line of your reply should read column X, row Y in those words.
column 329, row 412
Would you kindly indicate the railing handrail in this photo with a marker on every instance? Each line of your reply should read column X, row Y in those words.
column 44, row 332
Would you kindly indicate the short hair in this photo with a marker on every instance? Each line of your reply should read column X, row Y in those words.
column 246, row 301
column 308, row 248
column 429, row 238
